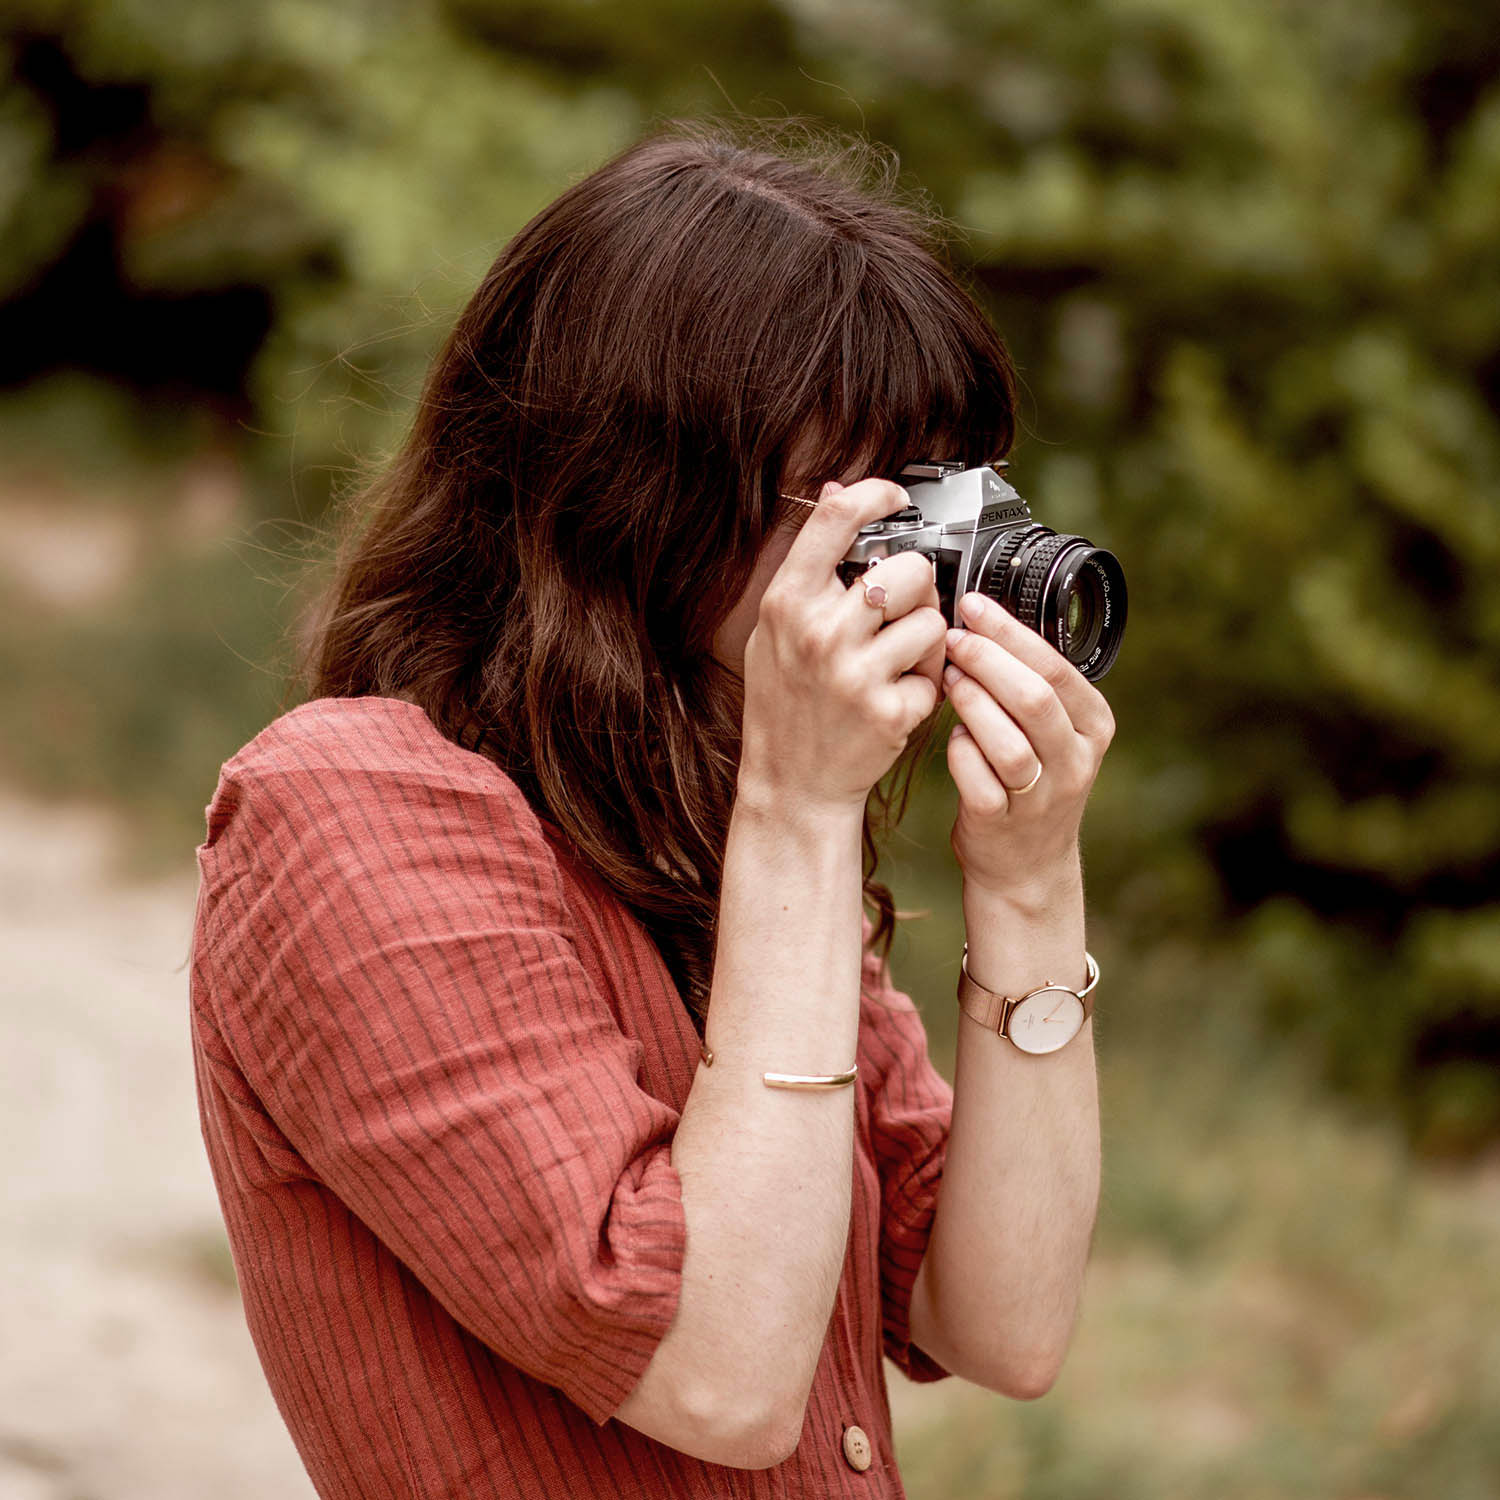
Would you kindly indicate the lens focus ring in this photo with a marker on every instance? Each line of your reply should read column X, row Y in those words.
column 1038, row 566
column 995, row 577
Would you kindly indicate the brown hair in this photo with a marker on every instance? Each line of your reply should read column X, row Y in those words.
column 595, row 463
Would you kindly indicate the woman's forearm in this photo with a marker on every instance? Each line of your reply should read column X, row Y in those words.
column 1004, row 1266
column 766, row 1172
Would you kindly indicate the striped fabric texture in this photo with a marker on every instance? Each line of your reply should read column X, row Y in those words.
column 439, row 1070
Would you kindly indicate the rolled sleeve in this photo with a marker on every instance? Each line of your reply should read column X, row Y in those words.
column 406, row 999
column 911, row 1112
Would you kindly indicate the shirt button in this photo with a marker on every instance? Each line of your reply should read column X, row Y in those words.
column 857, row 1448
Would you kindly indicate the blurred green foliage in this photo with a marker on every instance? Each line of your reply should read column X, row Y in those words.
column 1248, row 258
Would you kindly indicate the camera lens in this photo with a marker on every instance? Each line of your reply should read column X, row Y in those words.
column 1064, row 588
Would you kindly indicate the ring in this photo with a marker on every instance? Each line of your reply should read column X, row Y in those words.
column 1015, row 791
column 875, row 594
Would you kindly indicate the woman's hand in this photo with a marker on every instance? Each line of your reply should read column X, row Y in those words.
column 1021, row 704
column 834, row 686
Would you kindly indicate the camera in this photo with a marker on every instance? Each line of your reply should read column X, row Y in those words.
column 979, row 534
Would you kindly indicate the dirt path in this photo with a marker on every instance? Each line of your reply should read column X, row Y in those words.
column 126, row 1371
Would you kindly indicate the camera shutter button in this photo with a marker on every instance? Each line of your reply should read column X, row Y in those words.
column 909, row 519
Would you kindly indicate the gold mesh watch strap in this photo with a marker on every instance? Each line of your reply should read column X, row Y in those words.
column 992, row 1011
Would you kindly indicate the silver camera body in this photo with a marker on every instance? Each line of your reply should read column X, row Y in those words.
column 981, row 537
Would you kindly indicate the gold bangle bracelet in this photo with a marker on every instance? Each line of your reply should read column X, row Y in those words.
column 795, row 1080
column 809, row 1080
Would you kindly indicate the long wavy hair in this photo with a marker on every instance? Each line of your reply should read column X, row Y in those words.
column 597, row 457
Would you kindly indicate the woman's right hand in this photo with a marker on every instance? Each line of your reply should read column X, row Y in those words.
column 833, row 691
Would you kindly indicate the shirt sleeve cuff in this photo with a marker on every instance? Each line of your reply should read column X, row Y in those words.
column 640, row 1303
column 908, row 1229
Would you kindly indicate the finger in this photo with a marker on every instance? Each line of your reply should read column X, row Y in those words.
column 916, row 639
column 918, row 697
column 1010, row 754
column 897, row 710
column 931, row 665
column 1087, row 707
column 979, row 789
column 829, row 531
column 1024, row 694
column 909, row 581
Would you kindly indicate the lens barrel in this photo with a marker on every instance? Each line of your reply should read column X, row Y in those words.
column 1064, row 588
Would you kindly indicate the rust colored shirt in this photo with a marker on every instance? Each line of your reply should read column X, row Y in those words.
column 439, row 1070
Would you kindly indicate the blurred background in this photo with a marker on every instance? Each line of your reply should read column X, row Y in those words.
column 1247, row 258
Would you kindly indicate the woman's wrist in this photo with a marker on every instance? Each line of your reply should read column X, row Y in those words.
column 1036, row 895
column 760, row 799
column 1025, row 935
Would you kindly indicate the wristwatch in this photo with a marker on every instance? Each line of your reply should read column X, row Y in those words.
column 1041, row 1020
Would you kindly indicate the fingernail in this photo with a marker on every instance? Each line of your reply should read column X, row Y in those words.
column 958, row 731
column 974, row 606
column 956, row 637
column 951, row 674
column 832, row 487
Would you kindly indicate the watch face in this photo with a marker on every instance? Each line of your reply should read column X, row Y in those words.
column 1045, row 1022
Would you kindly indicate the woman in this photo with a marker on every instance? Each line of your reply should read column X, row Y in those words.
column 515, row 941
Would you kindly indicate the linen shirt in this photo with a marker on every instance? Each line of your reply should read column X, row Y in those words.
column 439, row 1070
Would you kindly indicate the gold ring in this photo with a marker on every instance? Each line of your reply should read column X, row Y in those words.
column 1015, row 791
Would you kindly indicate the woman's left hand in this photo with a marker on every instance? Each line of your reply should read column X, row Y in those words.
column 1021, row 705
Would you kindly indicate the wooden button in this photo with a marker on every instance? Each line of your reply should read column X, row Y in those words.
column 857, row 1448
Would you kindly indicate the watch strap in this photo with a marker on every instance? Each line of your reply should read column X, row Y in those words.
column 993, row 1011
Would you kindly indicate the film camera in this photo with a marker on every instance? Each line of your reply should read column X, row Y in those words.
column 981, row 538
